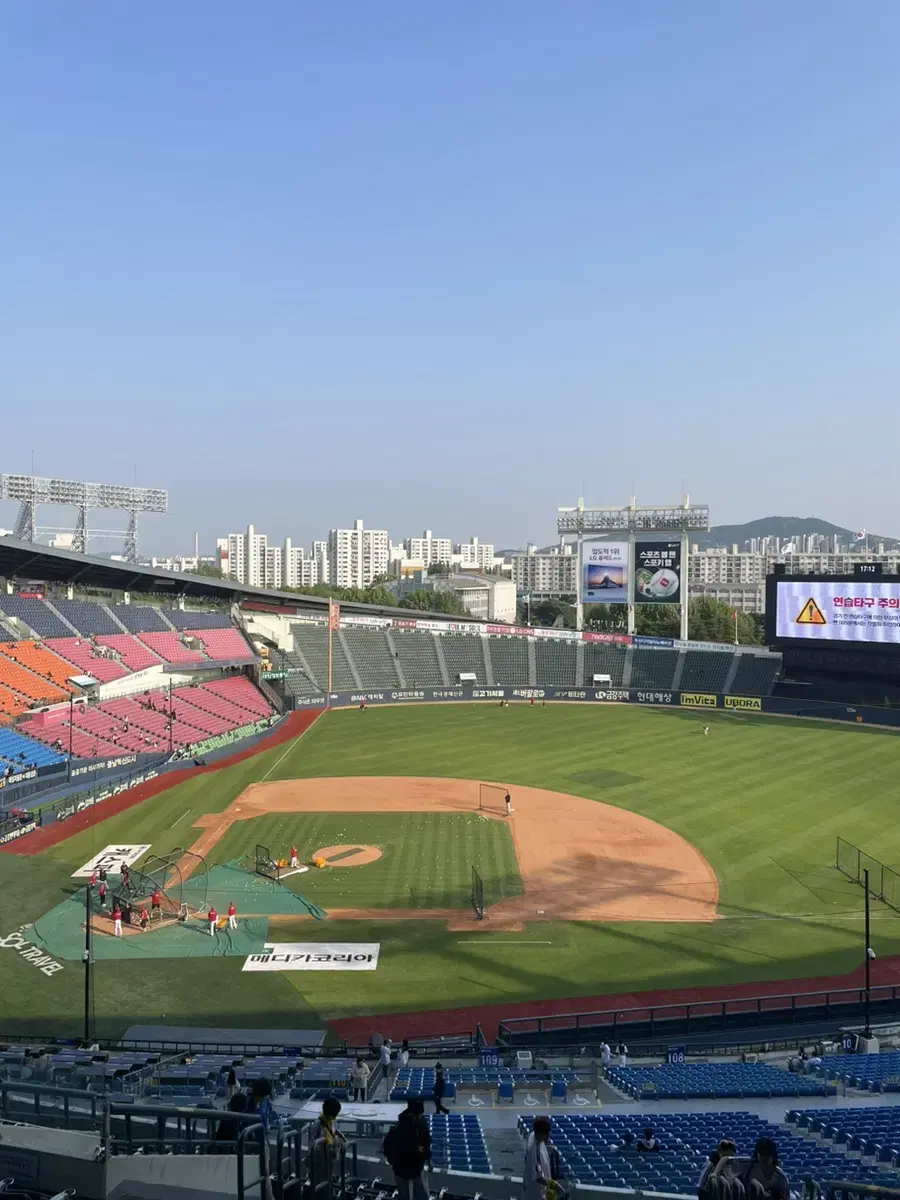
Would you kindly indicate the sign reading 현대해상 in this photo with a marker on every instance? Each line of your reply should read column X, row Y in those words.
column 315, row 956
column 111, row 858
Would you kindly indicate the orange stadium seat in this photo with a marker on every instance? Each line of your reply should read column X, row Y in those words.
column 24, row 682
column 41, row 661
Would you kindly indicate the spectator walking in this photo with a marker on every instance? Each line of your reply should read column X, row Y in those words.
column 231, row 1084
column 407, row 1147
column 384, row 1056
column 359, row 1079
column 536, row 1174
column 404, row 1054
column 605, row 1055
column 439, row 1090
column 622, row 1051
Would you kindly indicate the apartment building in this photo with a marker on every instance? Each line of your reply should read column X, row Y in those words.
column 357, row 556
column 545, row 575
column 429, row 549
column 475, row 556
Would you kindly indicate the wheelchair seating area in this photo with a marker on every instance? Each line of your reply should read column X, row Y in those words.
column 698, row 1081
column 418, row 1082
column 589, row 1150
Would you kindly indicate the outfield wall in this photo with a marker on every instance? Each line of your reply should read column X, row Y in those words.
column 698, row 701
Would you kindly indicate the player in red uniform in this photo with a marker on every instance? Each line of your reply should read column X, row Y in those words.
column 213, row 917
column 232, row 915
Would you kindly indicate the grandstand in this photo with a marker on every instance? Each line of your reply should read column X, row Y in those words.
column 556, row 662
column 464, row 654
column 373, row 657
column 653, row 668
column 509, row 657
column 603, row 659
column 705, row 671
column 417, row 654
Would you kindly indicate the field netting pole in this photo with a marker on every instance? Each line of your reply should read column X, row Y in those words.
column 477, row 894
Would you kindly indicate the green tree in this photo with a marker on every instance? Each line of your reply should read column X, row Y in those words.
column 439, row 568
column 711, row 620
column 210, row 571
column 549, row 613
column 605, row 618
column 439, row 602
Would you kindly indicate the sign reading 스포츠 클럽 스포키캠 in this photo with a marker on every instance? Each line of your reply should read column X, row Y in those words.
column 111, row 859
column 315, row 956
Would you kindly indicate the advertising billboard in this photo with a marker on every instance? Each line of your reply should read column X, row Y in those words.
column 604, row 572
column 825, row 610
column 657, row 572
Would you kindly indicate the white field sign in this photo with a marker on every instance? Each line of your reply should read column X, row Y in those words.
column 111, row 858
column 316, row 956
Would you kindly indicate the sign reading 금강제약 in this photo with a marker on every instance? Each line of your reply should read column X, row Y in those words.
column 828, row 611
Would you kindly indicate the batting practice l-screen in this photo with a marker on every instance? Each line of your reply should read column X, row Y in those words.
column 491, row 798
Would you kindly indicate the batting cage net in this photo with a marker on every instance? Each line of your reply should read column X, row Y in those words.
column 477, row 894
column 491, row 797
column 266, row 864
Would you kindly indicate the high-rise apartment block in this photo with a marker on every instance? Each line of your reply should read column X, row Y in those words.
column 357, row 556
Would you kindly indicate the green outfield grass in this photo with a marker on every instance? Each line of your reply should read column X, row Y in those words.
column 762, row 799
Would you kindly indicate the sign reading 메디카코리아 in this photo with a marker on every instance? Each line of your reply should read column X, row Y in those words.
column 315, row 956
column 111, row 859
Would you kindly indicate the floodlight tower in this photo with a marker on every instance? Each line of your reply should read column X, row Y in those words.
column 31, row 490
column 626, row 524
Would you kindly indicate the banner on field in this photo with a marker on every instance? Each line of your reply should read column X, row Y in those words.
column 699, row 700
column 744, row 703
column 604, row 572
column 315, row 956
column 111, row 859
column 657, row 572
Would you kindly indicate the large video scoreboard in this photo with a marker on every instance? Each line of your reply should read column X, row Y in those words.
column 833, row 611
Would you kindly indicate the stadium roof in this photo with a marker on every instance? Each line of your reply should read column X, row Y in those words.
column 27, row 560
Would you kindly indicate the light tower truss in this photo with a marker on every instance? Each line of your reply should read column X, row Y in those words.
column 30, row 491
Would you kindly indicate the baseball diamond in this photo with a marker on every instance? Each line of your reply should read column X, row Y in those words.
column 637, row 853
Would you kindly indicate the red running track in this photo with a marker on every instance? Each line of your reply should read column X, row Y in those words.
column 357, row 1030
column 292, row 727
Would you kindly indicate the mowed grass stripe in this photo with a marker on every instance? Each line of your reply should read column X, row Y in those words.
column 762, row 799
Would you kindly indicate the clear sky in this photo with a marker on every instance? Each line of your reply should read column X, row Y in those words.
column 451, row 265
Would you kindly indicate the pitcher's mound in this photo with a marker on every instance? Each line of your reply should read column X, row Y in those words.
column 348, row 856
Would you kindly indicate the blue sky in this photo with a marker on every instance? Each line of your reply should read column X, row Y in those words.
column 452, row 265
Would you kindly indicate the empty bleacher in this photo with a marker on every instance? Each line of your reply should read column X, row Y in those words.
column 701, row 1081
column 296, row 681
column 509, row 660
column 603, row 658
column 705, row 670
column 27, row 688
column 555, row 662
column 756, row 675
column 463, row 653
column 223, row 645
column 590, row 1148
column 139, row 618
column 170, row 648
column 371, row 656
column 132, row 652
column 868, row 1072
column 312, row 642
column 191, row 618
column 418, row 657
column 40, row 660
column 36, row 615
column 652, row 668
column 86, row 658
column 87, row 617
column 21, row 753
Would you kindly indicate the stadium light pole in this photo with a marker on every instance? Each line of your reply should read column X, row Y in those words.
column 868, row 957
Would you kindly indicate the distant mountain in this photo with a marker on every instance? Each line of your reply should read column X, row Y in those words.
column 783, row 527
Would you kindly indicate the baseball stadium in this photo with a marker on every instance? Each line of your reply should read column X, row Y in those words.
column 242, row 822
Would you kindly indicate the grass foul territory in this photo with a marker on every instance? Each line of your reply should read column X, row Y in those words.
column 756, row 807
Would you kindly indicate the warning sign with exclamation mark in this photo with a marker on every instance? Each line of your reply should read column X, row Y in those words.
column 811, row 614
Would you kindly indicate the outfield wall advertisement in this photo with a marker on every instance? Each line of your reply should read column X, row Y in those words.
column 825, row 610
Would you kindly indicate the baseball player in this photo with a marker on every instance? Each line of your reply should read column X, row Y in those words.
column 101, row 892
column 145, row 920
column 294, row 862
column 213, row 917
column 508, row 802
column 706, row 731
column 156, row 904
column 232, row 915
column 117, row 921
column 92, row 882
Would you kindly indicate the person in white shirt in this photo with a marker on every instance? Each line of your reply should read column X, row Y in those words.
column 536, row 1174
column 385, row 1058
column 605, row 1055
column 622, row 1051
column 404, row 1054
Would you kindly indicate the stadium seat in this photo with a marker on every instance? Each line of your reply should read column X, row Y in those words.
column 36, row 615
column 555, row 662
column 509, row 660
column 170, row 648
column 140, row 618
column 87, row 617
column 87, row 658
column 463, row 653
column 371, row 655
column 417, row 654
